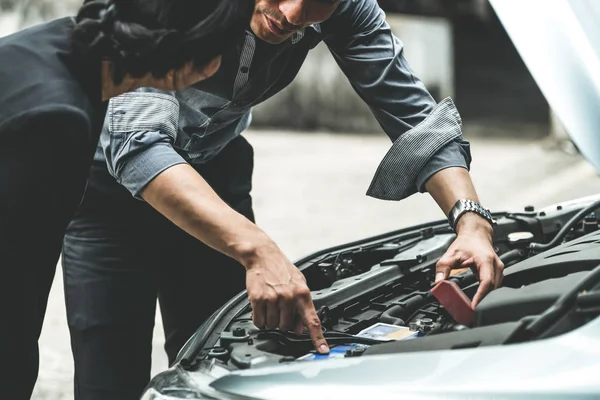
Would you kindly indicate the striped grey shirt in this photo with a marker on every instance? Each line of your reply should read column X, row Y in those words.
column 148, row 131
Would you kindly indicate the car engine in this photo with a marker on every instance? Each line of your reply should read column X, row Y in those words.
column 374, row 296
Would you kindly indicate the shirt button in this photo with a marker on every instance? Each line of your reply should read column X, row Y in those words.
column 244, row 70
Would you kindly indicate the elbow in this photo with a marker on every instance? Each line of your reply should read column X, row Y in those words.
column 143, row 158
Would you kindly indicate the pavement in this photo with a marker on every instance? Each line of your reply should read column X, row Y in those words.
column 309, row 193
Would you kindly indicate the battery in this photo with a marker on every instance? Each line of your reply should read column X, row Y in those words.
column 335, row 352
column 381, row 331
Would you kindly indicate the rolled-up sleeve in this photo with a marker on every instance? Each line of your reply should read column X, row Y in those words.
column 457, row 153
column 138, row 136
column 372, row 58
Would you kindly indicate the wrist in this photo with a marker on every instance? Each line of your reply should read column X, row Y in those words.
column 472, row 208
column 471, row 222
column 249, row 253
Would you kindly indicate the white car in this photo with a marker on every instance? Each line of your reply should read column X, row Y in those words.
column 538, row 336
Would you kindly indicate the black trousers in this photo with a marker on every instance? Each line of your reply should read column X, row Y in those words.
column 42, row 179
column 120, row 255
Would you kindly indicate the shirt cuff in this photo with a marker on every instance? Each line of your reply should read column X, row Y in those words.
column 396, row 176
column 142, row 167
column 455, row 154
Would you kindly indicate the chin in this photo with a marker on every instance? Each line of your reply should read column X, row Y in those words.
column 264, row 34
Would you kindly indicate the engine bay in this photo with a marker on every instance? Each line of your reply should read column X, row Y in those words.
column 374, row 296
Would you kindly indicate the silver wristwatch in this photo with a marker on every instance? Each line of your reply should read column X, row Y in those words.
column 463, row 206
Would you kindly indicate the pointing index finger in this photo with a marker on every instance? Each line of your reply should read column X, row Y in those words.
column 313, row 325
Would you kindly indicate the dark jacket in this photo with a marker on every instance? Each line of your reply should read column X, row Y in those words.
column 46, row 89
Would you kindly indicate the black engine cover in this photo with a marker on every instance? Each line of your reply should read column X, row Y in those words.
column 509, row 304
column 531, row 286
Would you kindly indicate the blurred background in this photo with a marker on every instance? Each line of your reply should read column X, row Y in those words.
column 317, row 145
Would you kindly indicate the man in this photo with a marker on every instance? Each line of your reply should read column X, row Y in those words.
column 55, row 80
column 183, row 155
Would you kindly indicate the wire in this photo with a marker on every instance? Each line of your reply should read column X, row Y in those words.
column 566, row 229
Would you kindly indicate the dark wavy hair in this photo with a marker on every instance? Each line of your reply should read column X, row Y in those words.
column 156, row 36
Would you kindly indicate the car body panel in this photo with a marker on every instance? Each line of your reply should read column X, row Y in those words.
column 567, row 366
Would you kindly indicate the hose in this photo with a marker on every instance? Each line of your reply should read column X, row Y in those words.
column 389, row 316
column 565, row 229
column 511, row 257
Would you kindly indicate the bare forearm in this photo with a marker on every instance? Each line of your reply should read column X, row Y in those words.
column 473, row 246
column 451, row 184
column 184, row 197
column 277, row 290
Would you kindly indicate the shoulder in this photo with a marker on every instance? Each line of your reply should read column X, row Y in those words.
column 36, row 81
column 355, row 11
column 351, row 20
column 353, row 17
column 43, row 38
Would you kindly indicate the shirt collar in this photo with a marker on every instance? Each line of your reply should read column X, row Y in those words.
column 298, row 35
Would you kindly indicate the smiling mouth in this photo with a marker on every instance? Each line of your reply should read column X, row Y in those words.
column 275, row 29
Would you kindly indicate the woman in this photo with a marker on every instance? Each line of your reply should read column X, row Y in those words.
column 55, row 79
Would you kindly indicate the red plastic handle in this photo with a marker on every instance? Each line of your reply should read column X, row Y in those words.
column 455, row 301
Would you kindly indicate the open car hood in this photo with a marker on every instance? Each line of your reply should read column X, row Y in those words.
column 559, row 41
